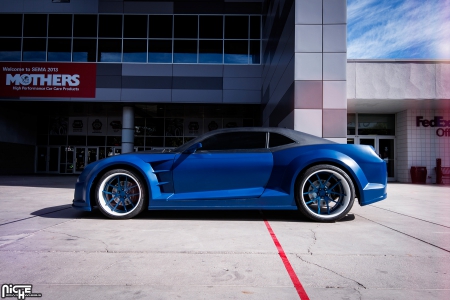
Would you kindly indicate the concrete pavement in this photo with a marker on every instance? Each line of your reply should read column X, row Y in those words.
column 396, row 249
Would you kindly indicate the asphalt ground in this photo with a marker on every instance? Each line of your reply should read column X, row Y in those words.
column 396, row 249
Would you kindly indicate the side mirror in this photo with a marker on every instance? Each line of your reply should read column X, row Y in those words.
column 193, row 148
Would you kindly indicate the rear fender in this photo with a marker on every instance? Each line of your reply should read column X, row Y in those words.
column 325, row 156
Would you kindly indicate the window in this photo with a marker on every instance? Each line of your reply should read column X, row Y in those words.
column 85, row 26
column 110, row 26
column 205, row 39
column 255, row 27
column 186, row 27
column 134, row 50
column 135, row 26
column 255, row 56
column 276, row 140
column 236, row 27
column 211, row 51
column 59, row 49
column 160, row 27
column 235, row 141
column 373, row 124
column 11, row 25
column 10, row 49
column 35, row 26
column 160, row 51
column 60, row 25
column 109, row 50
column 236, row 52
column 185, row 51
column 34, row 50
column 84, row 50
column 211, row 27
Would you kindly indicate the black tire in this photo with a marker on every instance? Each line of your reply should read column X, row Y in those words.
column 121, row 194
column 324, row 193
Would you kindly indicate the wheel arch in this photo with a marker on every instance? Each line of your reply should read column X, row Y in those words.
column 126, row 166
column 331, row 157
column 335, row 164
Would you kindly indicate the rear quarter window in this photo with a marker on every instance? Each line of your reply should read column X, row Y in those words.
column 276, row 140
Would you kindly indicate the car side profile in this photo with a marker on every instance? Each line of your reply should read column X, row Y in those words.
column 237, row 168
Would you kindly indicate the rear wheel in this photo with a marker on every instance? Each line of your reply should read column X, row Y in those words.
column 325, row 193
column 121, row 194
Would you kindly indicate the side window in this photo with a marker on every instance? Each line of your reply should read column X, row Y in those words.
column 276, row 140
column 235, row 141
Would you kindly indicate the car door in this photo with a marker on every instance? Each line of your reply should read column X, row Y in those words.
column 232, row 165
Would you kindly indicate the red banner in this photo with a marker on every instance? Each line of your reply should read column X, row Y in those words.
column 76, row 80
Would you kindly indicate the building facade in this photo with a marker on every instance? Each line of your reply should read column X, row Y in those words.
column 82, row 80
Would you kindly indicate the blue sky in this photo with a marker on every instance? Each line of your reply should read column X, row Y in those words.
column 398, row 29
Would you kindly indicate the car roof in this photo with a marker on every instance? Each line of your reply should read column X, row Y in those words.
column 301, row 138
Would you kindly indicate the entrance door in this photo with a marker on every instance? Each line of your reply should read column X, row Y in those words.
column 387, row 153
column 80, row 159
column 41, row 161
column 384, row 147
column 47, row 159
column 53, row 160
column 85, row 156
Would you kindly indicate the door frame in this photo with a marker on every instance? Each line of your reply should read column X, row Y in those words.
column 377, row 138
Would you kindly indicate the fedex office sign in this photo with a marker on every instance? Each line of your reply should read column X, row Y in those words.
column 47, row 80
column 437, row 121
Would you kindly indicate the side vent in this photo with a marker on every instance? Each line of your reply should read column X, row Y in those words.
column 163, row 172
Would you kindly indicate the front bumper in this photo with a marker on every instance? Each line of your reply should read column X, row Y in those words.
column 79, row 201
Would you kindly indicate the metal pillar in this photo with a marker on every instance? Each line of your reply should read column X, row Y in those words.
column 128, row 129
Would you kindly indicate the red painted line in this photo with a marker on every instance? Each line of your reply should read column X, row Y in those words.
column 298, row 286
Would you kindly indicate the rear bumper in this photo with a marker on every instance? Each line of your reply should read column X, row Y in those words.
column 373, row 192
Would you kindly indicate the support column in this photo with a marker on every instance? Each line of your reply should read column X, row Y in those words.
column 127, row 129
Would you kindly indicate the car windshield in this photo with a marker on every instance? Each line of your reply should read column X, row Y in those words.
column 186, row 145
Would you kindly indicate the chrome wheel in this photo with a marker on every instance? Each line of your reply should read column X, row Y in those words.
column 325, row 193
column 120, row 194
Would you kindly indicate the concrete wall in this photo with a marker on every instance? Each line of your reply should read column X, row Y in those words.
column 304, row 67
column 47, row 6
column 278, row 63
column 174, row 83
column 408, row 88
column 420, row 146
column 415, row 80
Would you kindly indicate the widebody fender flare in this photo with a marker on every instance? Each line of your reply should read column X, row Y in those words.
column 144, row 169
column 323, row 156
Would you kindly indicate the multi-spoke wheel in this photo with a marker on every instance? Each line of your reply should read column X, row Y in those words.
column 121, row 194
column 325, row 193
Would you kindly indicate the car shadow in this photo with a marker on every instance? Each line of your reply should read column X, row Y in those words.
column 44, row 180
column 66, row 211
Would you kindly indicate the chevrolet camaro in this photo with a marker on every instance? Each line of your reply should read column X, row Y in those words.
column 238, row 168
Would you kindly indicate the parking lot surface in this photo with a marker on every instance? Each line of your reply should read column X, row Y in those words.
column 395, row 249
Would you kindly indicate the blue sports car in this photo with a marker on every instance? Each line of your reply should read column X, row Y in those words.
column 238, row 168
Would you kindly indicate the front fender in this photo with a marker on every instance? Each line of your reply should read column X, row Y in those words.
column 142, row 167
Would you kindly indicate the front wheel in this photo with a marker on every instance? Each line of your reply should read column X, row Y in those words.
column 325, row 193
column 121, row 194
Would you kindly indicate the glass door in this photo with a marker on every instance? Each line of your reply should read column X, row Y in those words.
column 53, row 160
column 85, row 156
column 92, row 155
column 80, row 159
column 387, row 153
column 41, row 160
column 384, row 147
